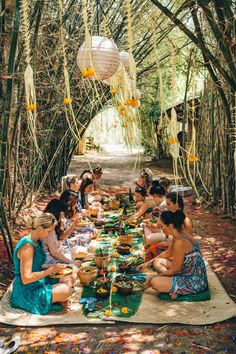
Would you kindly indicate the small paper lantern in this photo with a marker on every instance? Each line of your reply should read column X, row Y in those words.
column 138, row 94
column 102, row 55
column 125, row 60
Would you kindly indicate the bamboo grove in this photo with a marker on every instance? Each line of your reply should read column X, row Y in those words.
column 36, row 150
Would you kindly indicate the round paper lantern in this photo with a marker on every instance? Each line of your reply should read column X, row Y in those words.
column 138, row 94
column 102, row 56
column 124, row 59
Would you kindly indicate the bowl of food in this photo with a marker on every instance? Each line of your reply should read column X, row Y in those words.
column 102, row 272
column 123, row 249
column 102, row 290
column 120, row 278
column 102, row 260
column 126, row 239
column 124, row 287
column 80, row 256
column 98, row 223
column 64, row 272
column 138, row 285
column 103, row 279
column 87, row 274
column 125, row 267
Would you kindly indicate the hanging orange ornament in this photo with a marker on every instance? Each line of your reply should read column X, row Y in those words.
column 193, row 159
column 31, row 107
column 172, row 140
column 67, row 100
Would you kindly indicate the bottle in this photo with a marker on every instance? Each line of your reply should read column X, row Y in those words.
column 124, row 209
column 99, row 216
column 131, row 198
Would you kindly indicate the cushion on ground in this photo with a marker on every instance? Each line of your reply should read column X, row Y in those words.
column 203, row 296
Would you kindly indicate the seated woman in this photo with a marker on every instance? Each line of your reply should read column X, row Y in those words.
column 142, row 204
column 96, row 174
column 86, row 187
column 70, row 198
column 174, row 202
column 33, row 290
column 72, row 183
column 145, row 178
column 165, row 183
column 152, row 232
column 181, row 269
column 55, row 243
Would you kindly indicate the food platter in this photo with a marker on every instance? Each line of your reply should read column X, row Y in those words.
column 65, row 272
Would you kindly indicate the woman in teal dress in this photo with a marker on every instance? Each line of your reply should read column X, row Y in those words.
column 33, row 290
column 181, row 268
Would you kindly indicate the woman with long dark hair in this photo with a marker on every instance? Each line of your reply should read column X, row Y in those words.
column 86, row 186
column 55, row 244
column 181, row 268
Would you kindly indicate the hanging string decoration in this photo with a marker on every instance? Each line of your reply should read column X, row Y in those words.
column 30, row 94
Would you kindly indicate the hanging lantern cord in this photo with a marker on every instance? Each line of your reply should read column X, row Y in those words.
column 98, row 17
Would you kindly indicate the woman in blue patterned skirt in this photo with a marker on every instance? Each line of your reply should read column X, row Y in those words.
column 181, row 268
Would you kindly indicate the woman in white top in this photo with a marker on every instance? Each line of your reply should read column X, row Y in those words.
column 152, row 232
column 55, row 244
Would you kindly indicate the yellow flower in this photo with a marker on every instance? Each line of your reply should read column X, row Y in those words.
column 31, row 107
column 114, row 289
column 67, row 100
column 112, row 269
column 85, row 73
column 132, row 102
column 121, row 110
column 115, row 255
column 108, row 313
column 124, row 310
column 129, row 102
column 90, row 72
column 113, row 91
column 193, row 159
column 172, row 140
column 115, row 243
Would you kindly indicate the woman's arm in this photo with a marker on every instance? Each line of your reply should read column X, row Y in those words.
column 178, row 258
column 26, row 255
column 56, row 252
column 142, row 210
column 75, row 223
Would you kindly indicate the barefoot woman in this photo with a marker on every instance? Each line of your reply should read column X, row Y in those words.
column 186, row 273
column 33, row 290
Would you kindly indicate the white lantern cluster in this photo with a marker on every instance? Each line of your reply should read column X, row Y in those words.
column 102, row 55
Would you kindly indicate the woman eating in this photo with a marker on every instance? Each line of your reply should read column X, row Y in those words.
column 33, row 290
column 55, row 243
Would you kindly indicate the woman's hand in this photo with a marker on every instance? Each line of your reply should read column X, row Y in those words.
column 143, row 267
column 57, row 268
column 76, row 263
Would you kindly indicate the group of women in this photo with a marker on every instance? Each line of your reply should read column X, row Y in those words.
column 170, row 247
column 44, row 251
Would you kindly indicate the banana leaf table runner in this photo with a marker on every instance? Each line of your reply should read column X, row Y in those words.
column 116, row 304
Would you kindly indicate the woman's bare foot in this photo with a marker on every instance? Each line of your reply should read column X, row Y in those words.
column 67, row 304
column 148, row 282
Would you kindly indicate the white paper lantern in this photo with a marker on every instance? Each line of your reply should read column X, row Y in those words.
column 102, row 56
column 124, row 59
column 138, row 94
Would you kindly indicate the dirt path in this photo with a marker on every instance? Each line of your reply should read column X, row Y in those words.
column 217, row 238
column 120, row 167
